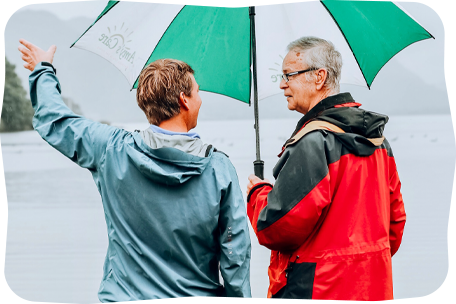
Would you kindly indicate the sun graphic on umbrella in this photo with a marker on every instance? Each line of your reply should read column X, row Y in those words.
column 117, row 40
column 276, row 71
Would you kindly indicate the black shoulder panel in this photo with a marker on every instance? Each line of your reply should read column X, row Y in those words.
column 208, row 150
column 215, row 150
column 387, row 146
column 298, row 171
column 305, row 164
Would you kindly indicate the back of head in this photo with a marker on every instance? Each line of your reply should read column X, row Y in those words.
column 320, row 54
column 159, row 87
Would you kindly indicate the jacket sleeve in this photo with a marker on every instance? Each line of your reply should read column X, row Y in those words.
column 284, row 215
column 234, row 239
column 397, row 210
column 81, row 140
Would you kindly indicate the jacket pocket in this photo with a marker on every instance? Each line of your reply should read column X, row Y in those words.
column 300, row 279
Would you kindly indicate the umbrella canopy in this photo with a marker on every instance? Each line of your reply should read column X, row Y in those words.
column 222, row 44
column 216, row 41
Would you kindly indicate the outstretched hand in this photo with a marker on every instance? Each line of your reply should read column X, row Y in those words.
column 253, row 180
column 32, row 55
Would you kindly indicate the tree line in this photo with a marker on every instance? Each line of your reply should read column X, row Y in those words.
column 17, row 110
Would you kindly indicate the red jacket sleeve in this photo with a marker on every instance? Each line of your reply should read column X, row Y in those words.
column 397, row 210
column 284, row 215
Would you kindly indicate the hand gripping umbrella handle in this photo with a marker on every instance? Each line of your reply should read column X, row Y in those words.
column 258, row 168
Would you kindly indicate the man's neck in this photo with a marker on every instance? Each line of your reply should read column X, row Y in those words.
column 322, row 95
column 175, row 124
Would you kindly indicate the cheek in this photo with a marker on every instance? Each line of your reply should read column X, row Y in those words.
column 294, row 90
column 199, row 106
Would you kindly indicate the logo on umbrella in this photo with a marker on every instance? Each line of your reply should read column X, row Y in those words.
column 117, row 42
column 276, row 71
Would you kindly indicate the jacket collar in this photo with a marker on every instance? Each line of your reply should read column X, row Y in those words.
column 324, row 104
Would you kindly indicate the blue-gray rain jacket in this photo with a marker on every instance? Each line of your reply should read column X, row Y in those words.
column 173, row 219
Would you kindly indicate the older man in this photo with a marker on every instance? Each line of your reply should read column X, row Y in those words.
column 335, row 216
column 173, row 207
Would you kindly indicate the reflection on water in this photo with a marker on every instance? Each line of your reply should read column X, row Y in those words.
column 57, row 241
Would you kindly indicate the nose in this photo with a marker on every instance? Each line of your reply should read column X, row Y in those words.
column 283, row 84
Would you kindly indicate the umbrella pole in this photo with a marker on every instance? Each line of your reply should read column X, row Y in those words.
column 258, row 164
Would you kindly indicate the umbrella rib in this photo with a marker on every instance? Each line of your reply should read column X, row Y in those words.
column 399, row 52
column 342, row 32
column 369, row 86
column 405, row 12
column 137, row 78
column 98, row 18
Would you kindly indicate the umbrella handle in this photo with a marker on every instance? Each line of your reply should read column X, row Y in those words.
column 258, row 168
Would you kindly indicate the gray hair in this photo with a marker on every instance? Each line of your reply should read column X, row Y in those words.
column 320, row 54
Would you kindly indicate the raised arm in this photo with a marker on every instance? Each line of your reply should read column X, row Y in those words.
column 80, row 139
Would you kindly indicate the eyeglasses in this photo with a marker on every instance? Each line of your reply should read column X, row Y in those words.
column 286, row 76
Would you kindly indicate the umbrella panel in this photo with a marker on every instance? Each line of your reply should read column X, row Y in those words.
column 215, row 42
column 375, row 31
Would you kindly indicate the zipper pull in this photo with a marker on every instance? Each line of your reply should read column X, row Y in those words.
column 290, row 266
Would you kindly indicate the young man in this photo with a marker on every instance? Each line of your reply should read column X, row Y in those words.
column 173, row 207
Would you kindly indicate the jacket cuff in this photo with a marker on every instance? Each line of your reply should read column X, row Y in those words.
column 45, row 64
column 256, row 187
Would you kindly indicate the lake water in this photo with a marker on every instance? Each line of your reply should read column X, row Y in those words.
column 56, row 241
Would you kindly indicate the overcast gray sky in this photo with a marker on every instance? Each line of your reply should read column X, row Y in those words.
column 65, row 9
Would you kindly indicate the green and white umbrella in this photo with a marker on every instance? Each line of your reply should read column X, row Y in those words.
column 226, row 46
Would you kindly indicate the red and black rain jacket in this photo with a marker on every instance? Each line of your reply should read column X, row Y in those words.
column 335, row 216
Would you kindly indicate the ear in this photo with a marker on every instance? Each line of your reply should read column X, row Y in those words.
column 183, row 101
column 321, row 74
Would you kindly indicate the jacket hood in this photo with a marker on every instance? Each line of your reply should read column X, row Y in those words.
column 359, row 124
column 169, row 159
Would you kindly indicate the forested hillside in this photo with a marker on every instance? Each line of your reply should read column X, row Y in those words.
column 17, row 111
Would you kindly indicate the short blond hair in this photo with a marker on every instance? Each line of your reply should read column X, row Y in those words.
column 159, row 87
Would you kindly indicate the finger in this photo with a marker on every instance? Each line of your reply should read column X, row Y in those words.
column 254, row 179
column 28, row 66
column 248, row 189
column 52, row 49
column 23, row 50
column 27, row 44
column 25, row 58
column 249, row 184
